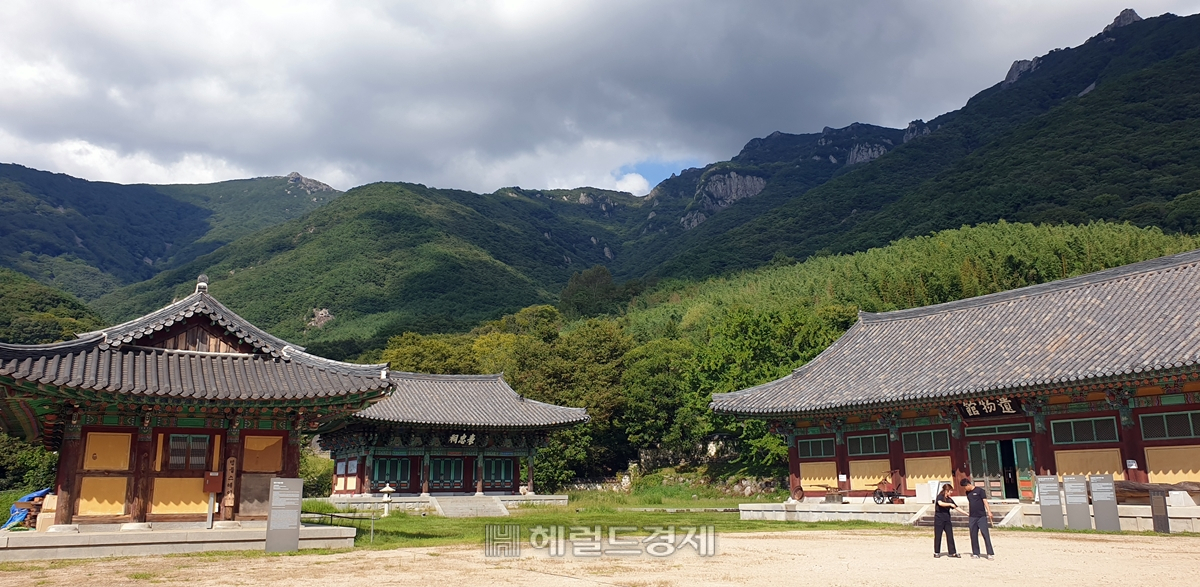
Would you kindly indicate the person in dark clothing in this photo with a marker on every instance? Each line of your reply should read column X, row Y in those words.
column 942, row 506
column 980, row 516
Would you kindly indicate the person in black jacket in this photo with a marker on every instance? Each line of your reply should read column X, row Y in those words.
column 942, row 505
column 980, row 518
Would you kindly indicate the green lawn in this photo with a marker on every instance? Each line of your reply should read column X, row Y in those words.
column 407, row 530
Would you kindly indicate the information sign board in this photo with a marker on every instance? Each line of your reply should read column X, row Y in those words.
column 1079, row 514
column 1050, row 502
column 1104, row 503
column 283, row 519
column 1158, row 511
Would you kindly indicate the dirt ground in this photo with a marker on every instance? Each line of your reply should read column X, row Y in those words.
column 853, row 558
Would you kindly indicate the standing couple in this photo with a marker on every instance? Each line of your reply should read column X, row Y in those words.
column 980, row 516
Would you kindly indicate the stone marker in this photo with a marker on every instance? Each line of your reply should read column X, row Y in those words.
column 1079, row 514
column 283, row 519
column 1158, row 511
column 1104, row 503
column 1050, row 501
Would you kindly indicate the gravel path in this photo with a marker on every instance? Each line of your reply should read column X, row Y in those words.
column 851, row 558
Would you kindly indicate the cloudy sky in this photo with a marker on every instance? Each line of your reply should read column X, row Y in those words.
column 479, row 95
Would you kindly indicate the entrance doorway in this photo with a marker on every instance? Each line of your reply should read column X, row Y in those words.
column 1003, row 468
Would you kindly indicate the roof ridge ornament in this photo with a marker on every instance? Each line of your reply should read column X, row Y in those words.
column 202, row 284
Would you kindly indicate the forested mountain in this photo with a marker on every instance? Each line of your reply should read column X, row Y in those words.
column 32, row 313
column 647, row 377
column 1103, row 131
column 387, row 258
column 90, row 237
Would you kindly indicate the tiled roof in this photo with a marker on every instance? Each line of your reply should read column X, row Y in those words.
column 145, row 371
column 1142, row 318
column 198, row 303
column 467, row 401
column 110, row 361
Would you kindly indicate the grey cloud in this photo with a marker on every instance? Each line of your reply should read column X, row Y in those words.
column 477, row 95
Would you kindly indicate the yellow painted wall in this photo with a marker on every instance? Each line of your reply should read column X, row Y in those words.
column 173, row 495
column 814, row 474
column 262, row 454
column 1172, row 464
column 340, row 484
column 866, row 474
column 102, row 496
column 106, row 451
column 1097, row 461
column 926, row 469
column 351, row 483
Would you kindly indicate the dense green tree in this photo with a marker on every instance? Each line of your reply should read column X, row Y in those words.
column 25, row 466
column 647, row 378
column 664, row 408
column 31, row 313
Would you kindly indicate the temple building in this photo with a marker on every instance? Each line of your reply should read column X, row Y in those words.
column 192, row 407
column 1089, row 375
column 464, row 434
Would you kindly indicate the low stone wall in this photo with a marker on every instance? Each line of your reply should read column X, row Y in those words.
column 516, row 501
column 23, row 546
column 820, row 512
column 373, row 502
column 1133, row 517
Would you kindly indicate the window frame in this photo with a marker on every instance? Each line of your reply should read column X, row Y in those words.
column 1192, row 416
column 934, row 432
column 817, row 441
column 189, row 454
column 874, row 444
column 1072, row 421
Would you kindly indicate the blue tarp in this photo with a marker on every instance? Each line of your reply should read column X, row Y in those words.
column 16, row 516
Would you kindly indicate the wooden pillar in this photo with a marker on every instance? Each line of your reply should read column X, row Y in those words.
column 425, row 474
column 529, row 491
column 1133, row 447
column 842, row 457
column 231, row 452
column 958, row 455
column 69, row 454
column 795, row 488
column 142, row 473
column 291, row 455
column 479, row 474
column 896, row 463
column 1043, row 450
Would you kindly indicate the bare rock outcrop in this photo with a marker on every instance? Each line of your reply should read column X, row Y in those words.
column 1126, row 18
column 692, row 219
column 916, row 129
column 1020, row 68
column 321, row 317
column 722, row 190
column 864, row 152
column 310, row 186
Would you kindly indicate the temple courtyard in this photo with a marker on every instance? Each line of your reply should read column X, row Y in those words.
column 858, row 558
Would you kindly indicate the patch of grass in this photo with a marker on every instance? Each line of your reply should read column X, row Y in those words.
column 231, row 554
column 142, row 576
column 321, row 506
column 25, row 567
column 7, row 498
column 416, row 531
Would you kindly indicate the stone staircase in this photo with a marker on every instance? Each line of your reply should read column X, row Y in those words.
column 469, row 506
column 957, row 520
